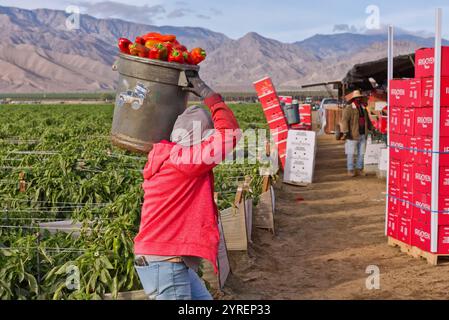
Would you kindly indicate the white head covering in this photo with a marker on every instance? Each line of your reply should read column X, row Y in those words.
column 192, row 126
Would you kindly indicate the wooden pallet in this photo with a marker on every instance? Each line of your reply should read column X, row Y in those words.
column 415, row 252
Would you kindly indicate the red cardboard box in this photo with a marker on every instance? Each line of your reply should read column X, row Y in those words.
column 444, row 181
column 394, row 194
column 286, row 99
column 444, row 122
column 395, row 119
column 425, row 147
column 395, row 172
column 404, row 230
column 407, row 176
column 270, row 101
column 421, row 237
column 280, row 134
column 282, row 147
column 408, row 122
column 427, row 92
column 406, row 204
column 422, row 208
column 424, row 122
column 392, row 225
column 399, row 92
column 425, row 62
column 413, row 149
column 415, row 93
column 264, row 87
column 422, row 179
column 425, row 154
column 398, row 147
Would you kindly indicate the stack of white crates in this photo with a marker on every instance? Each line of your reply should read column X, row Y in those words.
column 300, row 159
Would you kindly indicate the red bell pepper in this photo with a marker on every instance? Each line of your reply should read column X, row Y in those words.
column 140, row 40
column 187, row 58
column 158, row 52
column 169, row 46
column 123, row 45
column 180, row 47
column 176, row 56
column 136, row 49
column 197, row 55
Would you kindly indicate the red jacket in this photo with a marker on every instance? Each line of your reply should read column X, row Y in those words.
column 179, row 215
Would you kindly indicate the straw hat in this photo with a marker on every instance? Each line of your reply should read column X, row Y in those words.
column 354, row 95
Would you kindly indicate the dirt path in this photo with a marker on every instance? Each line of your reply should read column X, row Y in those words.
column 324, row 243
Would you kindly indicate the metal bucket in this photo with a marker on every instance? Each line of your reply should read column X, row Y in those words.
column 149, row 99
column 291, row 112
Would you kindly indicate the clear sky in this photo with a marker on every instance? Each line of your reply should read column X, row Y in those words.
column 284, row 20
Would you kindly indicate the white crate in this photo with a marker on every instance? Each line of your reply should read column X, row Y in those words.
column 300, row 159
column 373, row 152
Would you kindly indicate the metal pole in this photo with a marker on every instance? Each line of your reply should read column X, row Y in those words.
column 436, row 133
column 389, row 78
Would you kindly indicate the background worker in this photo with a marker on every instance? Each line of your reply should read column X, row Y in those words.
column 179, row 219
column 355, row 125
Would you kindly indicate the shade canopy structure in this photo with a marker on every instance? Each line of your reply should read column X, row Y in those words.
column 358, row 78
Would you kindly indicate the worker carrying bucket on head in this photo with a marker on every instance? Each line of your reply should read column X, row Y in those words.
column 355, row 125
column 179, row 220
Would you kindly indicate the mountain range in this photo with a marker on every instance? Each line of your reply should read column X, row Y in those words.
column 39, row 54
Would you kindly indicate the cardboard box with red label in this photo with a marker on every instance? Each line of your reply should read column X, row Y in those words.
column 404, row 226
column 424, row 122
column 394, row 202
column 273, row 114
column 395, row 173
column 407, row 169
column 421, row 237
column 264, row 87
column 392, row 225
column 426, row 146
column 408, row 122
column 422, row 208
column 422, row 178
column 406, row 204
column 400, row 93
column 414, row 154
column 398, row 147
column 395, row 119
column 425, row 62
column 427, row 92
column 286, row 99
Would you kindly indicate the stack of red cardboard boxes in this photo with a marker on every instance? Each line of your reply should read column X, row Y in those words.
column 305, row 117
column 274, row 115
column 411, row 144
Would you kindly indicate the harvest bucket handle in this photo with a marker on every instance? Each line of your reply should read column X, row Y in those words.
column 115, row 65
column 184, row 76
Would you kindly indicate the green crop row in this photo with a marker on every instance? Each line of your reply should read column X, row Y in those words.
column 57, row 165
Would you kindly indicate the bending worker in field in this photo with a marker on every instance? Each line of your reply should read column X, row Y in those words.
column 179, row 220
column 355, row 125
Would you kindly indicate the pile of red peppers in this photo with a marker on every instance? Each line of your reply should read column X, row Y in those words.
column 157, row 46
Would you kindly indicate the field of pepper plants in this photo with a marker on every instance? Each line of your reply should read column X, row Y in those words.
column 57, row 165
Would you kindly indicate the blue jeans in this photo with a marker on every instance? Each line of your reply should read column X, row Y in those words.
column 359, row 147
column 172, row 281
